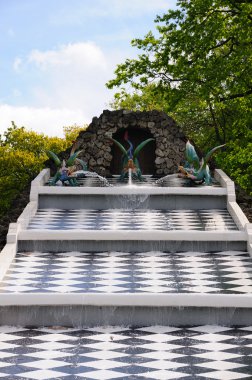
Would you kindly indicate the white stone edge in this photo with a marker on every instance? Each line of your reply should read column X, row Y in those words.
column 233, row 208
column 27, row 214
column 39, row 182
column 226, row 183
column 127, row 299
column 9, row 251
column 248, row 230
column 120, row 190
column 7, row 255
column 148, row 235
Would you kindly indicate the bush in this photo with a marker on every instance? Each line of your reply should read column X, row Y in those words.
column 22, row 156
column 236, row 161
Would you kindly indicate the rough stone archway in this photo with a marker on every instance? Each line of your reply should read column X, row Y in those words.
column 162, row 157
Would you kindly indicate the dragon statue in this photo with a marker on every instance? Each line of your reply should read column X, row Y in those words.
column 129, row 158
column 67, row 172
column 65, row 169
column 195, row 169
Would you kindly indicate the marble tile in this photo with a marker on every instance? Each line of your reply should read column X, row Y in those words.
column 135, row 219
column 150, row 272
column 150, row 352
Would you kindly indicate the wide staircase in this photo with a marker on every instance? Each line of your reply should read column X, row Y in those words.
column 133, row 282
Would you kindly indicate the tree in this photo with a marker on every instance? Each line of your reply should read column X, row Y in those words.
column 146, row 99
column 199, row 64
column 202, row 54
column 22, row 156
column 71, row 132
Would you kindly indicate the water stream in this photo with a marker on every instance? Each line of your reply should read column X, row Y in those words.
column 84, row 174
column 130, row 177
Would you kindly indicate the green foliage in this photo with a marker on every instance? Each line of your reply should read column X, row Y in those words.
column 17, row 168
column 146, row 99
column 22, row 156
column 71, row 132
column 203, row 48
column 16, row 138
column 237, row 160
column 198, row 69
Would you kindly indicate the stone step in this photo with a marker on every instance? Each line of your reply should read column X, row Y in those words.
column 128, row 353
column 130, row 240
column 133, row 230
column 121, row 198
column 121, row 219
column 111, row 287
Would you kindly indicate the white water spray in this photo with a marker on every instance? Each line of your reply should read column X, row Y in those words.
column 130, row 177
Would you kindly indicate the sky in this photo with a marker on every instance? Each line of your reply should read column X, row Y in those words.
column 57, row 55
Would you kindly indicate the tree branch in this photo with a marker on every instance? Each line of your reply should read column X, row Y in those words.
column 216, row 128
column 241, row 1
column 221, row 43
column 234, row 96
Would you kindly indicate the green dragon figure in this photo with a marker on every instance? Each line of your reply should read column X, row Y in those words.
column 67, row 168
column 129, row 158
column 194, row 169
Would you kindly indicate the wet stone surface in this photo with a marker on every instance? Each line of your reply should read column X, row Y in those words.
column 151, row 272
column 133, row 219
column 153, row 352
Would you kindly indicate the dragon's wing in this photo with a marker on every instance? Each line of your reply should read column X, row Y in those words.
column 72, row 158
column 209, row 154
column 83, row 163
column 140, row 147
column 54, row 157
column 191, row 155
column 120, row 146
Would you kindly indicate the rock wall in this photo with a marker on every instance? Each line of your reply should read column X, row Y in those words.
column 98, row 151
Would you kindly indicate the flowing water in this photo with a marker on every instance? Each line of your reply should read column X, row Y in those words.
column 130, row 177
column 84, row 174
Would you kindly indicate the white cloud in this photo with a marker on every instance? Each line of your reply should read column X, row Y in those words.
column 70, row 77
column 77, row 55
column 17, row 64
column 47, row 120
column 67, row 87
column 65, row 84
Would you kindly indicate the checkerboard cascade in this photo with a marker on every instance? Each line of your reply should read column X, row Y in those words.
column 119, row 219
column 151, row 272
column 81, row 283
column 128, row 353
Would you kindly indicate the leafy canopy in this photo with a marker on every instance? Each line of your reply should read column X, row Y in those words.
column 198, row 68
column 22, row 156
column 203, row 48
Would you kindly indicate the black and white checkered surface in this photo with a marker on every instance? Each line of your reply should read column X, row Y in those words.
column 101, row 353
column 137, row 219
column 152, row 272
